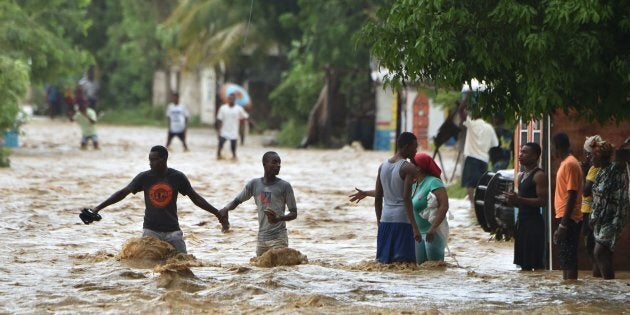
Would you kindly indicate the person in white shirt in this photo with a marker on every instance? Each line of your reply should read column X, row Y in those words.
column 177, row 116
column 480, row 137
column 228, row 120
column 89, row 87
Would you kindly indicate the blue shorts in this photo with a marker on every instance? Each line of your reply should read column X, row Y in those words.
column 395, row 243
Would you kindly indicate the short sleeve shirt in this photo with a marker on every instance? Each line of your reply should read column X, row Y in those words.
column 160, row 198
column 569, row 177
column 87, row 127
column 177, row 115
column 419, row 199
column 480, row 137
column 277, row 197
column 230, row 117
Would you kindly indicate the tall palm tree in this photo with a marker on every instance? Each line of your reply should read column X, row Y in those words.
column 210, row 31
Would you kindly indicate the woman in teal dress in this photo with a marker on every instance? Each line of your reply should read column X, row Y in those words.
column 430, row 204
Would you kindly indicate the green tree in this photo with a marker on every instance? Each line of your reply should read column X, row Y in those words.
column 537, row 56
column 35, row 43
column 211, row 31
column 317, row 37
column 327, row 51
column 41, row 33
column 14, row 81
column 126, row 41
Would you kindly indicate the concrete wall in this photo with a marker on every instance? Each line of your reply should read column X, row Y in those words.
column 197, row 90
column 161, row 92
column 190, row 91
column 385, row 130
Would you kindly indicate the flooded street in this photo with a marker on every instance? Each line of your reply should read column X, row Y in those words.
column 52, row 263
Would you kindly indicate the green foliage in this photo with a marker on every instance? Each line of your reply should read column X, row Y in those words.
column 291, row 134
column 128, row 48
column 4, row 157
column 41, row 33
column 194, row 122
column 316, row 36
column 297, row 93
column 443, row 97
column 456, row 191
column 14, row 81
column 140, row 115
column 537, row 56
column 325, row 44
column 35, row 45
column 212, row 31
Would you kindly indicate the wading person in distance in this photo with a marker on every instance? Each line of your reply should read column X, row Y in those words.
column 228, row 122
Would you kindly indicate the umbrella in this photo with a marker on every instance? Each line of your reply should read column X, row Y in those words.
column 241, row 96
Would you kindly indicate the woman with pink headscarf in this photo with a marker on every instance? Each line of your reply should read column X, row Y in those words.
column 430, row 204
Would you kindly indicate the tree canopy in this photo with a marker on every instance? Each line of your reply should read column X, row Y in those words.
column 212, row 31
column 126, row 42
column 35, row 44
column 328, row 31
column 41, row 33
column 537, row 56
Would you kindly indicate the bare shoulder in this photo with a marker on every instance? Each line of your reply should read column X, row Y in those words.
column 408, row 168
column 540, row 176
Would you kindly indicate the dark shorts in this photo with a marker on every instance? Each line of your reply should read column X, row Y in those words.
column 181, row 135
column 589, row 238
column 473, row 170
column 568, row 249
column 85, row 139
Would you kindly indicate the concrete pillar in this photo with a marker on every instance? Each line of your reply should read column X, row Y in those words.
column 208, row 86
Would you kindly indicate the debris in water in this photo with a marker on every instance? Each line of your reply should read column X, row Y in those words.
column 279, row 257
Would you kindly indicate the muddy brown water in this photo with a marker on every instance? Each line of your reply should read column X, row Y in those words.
column 52, row 263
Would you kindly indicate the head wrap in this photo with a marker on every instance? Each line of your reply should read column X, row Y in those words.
column 427, row 164
column 591, row 142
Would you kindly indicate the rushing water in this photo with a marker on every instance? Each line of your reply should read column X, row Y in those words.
column 52, row 263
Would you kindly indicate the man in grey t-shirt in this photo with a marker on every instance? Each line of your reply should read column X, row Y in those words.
column 272, row 195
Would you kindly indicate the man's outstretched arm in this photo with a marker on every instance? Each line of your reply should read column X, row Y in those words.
column 202, row 203
column 114, row 198
column 205, row 205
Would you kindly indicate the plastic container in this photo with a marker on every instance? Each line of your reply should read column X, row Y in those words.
column 11, row 139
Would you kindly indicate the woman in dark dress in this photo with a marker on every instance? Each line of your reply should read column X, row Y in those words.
column 529, row 243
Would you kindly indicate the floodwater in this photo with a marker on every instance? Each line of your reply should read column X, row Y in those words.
column 50, row 262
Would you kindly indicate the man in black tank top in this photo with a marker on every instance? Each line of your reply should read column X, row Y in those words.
column 529, row 243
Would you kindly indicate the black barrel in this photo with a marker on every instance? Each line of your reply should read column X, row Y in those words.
column 493, row 214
